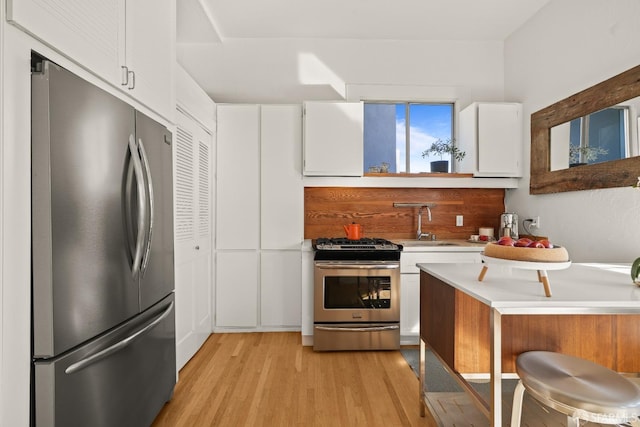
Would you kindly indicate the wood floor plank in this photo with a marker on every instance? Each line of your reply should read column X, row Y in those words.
column 270, row 379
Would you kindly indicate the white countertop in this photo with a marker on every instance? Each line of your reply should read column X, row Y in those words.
column 583, row 288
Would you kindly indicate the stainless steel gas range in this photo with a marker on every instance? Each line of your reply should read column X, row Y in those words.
column 356, row 294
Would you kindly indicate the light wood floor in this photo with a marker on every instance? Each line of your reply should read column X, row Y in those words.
column 270, row 379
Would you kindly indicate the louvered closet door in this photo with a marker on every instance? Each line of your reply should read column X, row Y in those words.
column 193, row 228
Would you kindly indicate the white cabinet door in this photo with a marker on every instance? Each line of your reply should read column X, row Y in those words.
column 238, row 177
column 409, row 304
column 282, row 193
column 193, row 236
column 410, row 284
column 282, row 212
column 237, row 289
column 491, row 135
column 333, row 139
column 86, row 31
column 280, row 289
column 149, row 53
column 104, row 36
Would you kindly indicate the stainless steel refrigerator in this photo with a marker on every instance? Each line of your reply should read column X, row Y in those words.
column 102, row 257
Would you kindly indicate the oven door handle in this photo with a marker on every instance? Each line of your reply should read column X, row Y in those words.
column 361, row 329
column 357, row 266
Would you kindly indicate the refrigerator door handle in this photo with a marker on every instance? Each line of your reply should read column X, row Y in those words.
column 142, row 207
column 103, row 354
column 147, row 169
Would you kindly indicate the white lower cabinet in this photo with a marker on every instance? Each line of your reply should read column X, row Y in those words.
column 258, row 289
column 280, row 288
column 409, row 305
column 410, row 287
column 237, row 289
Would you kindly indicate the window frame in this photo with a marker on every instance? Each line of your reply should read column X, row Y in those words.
column 407, row 106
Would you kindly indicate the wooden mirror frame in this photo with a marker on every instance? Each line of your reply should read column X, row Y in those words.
column 614, row 173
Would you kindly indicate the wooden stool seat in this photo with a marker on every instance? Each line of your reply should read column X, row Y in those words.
column 578, row 388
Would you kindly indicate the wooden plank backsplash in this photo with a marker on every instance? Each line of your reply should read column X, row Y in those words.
column 328, row 209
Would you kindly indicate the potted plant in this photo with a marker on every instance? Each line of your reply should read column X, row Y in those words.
column 579, row 155
column 440, row 148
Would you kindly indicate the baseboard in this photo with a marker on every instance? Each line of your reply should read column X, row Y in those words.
column 307, row 340
column 409, row 340
column 231, row 330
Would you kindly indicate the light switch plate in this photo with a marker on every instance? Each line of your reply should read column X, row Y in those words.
column 459, row 220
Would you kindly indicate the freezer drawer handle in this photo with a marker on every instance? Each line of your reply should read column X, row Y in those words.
column 363, row 329
column 147, row 169
column 117, row 346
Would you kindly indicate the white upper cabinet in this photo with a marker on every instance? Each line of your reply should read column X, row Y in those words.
column 87, row 31
column 104, row 36
column 491, row 135
column 238, row 177
column 148, row 58
column 333, row 138
column 282, row 193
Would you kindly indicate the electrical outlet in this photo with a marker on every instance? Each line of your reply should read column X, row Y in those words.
column 459, row 220
column 536, row 222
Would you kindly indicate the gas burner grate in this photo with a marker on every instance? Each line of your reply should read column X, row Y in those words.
column 343, row 241
column 341, row 248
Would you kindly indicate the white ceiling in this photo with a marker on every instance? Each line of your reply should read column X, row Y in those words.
column 354, row 19
column 220, row 24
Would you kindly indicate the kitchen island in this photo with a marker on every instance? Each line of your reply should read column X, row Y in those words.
column 479, row 328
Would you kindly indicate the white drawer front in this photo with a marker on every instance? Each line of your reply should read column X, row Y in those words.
column 408, row 260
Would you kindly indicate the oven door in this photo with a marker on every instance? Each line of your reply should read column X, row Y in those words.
column 356, row 291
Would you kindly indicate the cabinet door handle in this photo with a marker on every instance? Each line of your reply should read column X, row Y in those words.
column 124, row 70
column 132, row 82
column 197, row 248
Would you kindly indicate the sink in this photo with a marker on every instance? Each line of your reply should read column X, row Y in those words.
column 408, row 243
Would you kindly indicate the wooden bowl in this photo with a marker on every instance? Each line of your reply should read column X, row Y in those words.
column 555, row 254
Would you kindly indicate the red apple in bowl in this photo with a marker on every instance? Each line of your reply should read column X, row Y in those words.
column 536, row 244
column 547, row 244
column 522, row 242
column 506, row 241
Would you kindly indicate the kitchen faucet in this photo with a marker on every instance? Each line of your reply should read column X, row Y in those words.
column 420, row 206
column 419, row 233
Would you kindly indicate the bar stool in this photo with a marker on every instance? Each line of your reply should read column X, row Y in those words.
column 578, row 388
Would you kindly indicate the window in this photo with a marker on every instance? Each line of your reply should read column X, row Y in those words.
column 396, row 134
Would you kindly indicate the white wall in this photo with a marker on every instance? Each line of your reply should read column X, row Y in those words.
column 247, row 70
column 568, row 46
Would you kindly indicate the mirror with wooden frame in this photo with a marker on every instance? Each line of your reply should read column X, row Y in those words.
column 606, row 174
